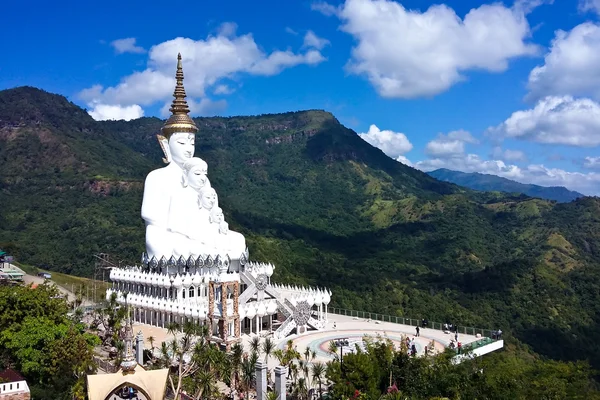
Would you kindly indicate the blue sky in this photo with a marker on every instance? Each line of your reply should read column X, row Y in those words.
column 511, row 89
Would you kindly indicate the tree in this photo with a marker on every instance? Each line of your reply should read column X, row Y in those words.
column 318, row 372
column 49, row 348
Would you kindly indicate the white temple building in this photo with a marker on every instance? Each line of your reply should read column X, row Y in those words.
column 197, row 270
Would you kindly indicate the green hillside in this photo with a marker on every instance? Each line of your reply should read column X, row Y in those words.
column 324, row 206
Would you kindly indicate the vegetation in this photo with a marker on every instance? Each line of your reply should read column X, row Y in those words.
column 488, row 182
column 38, row 339
column 384, row 372
column 321, row 204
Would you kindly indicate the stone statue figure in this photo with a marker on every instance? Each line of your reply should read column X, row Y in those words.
column 177, row 140
column 180, row 207
column 233, row 242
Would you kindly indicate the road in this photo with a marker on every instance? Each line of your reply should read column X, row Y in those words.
column 70, row 295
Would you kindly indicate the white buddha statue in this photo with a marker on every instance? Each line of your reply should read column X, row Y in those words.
column 179, row 200
column 178, row 143
column 226, row 241
column 187, row 221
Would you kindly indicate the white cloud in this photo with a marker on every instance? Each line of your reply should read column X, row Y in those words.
column 204, row 108
column 325, row 8
column 592, row 162
column 103, row 112
column 404, row 161
column 205, row 63
column 126, row 45
column 290, row 31
column 555, row 120
column 586, row 183
column 227, row 29
column 312, row 40
column 449, row 145
column 407, row 54
column 223, row 89
column 571, row 65
column 589, row 5
column 508, row 155
column 394, row 144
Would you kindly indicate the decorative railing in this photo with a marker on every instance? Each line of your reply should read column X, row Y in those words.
column 466, row 330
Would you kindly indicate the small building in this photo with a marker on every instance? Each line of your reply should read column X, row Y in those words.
column 13, row 386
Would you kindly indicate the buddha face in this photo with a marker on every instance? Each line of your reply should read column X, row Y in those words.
column 197, row 177
column 216, row 216
column 182, row 146
column 209, row 199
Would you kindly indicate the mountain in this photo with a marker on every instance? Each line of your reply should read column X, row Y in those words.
column 324, row 206
column 487, row 182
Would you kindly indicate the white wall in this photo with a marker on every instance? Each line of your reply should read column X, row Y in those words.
column 13, row 387
column 478, row 352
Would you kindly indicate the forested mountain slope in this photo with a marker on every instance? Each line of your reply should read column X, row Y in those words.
column 323, row 205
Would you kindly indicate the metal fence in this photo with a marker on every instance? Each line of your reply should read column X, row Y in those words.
column 466, row 330
column 105, row 366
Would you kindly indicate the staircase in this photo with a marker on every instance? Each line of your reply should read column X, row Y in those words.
column 285, row 328
column 284, row 309
column 249, row 292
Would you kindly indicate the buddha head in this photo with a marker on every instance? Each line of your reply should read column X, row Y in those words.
column 181, row 147
column 178, row 134
column 208, row 198
column 216, row 215
column 195, row 173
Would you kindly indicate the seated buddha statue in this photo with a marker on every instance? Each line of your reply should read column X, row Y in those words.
column 177, row 140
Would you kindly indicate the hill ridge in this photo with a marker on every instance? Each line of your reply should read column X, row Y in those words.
column 328, row 209
column 490, row 182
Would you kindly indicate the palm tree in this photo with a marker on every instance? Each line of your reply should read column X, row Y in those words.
column 236, row 357
column 318, row 372
column 272, row 396
column 248, row 375
column 268, row 347
column 152, row 339
column 255, row 345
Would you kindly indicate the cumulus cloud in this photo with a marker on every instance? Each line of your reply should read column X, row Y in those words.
column 449, row 145
column 571, row 65
column 103, row 112
column 204, row 108
column 592, row 162
column 223, row 89
column 404, row 161
column 126, row 45
column 325, row 8
column 586, row 183
column 225, row 55
column 312, row 40
column 290, row 31
column 508, row 155
column 555, row 120
column 589, row 5
column 407, row 54
column 394, row 144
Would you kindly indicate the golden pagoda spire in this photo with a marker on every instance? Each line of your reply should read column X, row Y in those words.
column 179, row 121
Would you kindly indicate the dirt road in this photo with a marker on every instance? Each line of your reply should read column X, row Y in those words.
column 70, row 295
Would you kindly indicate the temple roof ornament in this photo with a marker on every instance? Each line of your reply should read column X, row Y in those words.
column 179, row 121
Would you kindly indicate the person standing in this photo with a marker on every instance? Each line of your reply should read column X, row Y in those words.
column 418, row 331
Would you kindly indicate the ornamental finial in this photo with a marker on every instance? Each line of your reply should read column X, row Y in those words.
column 179, row 121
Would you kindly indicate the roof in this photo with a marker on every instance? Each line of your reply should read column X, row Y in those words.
column 10, row 375
column 152, row 383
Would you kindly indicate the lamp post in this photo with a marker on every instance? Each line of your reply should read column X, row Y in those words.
column 341, row 343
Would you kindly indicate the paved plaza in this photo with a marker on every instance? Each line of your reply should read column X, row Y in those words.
column 351, row 328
